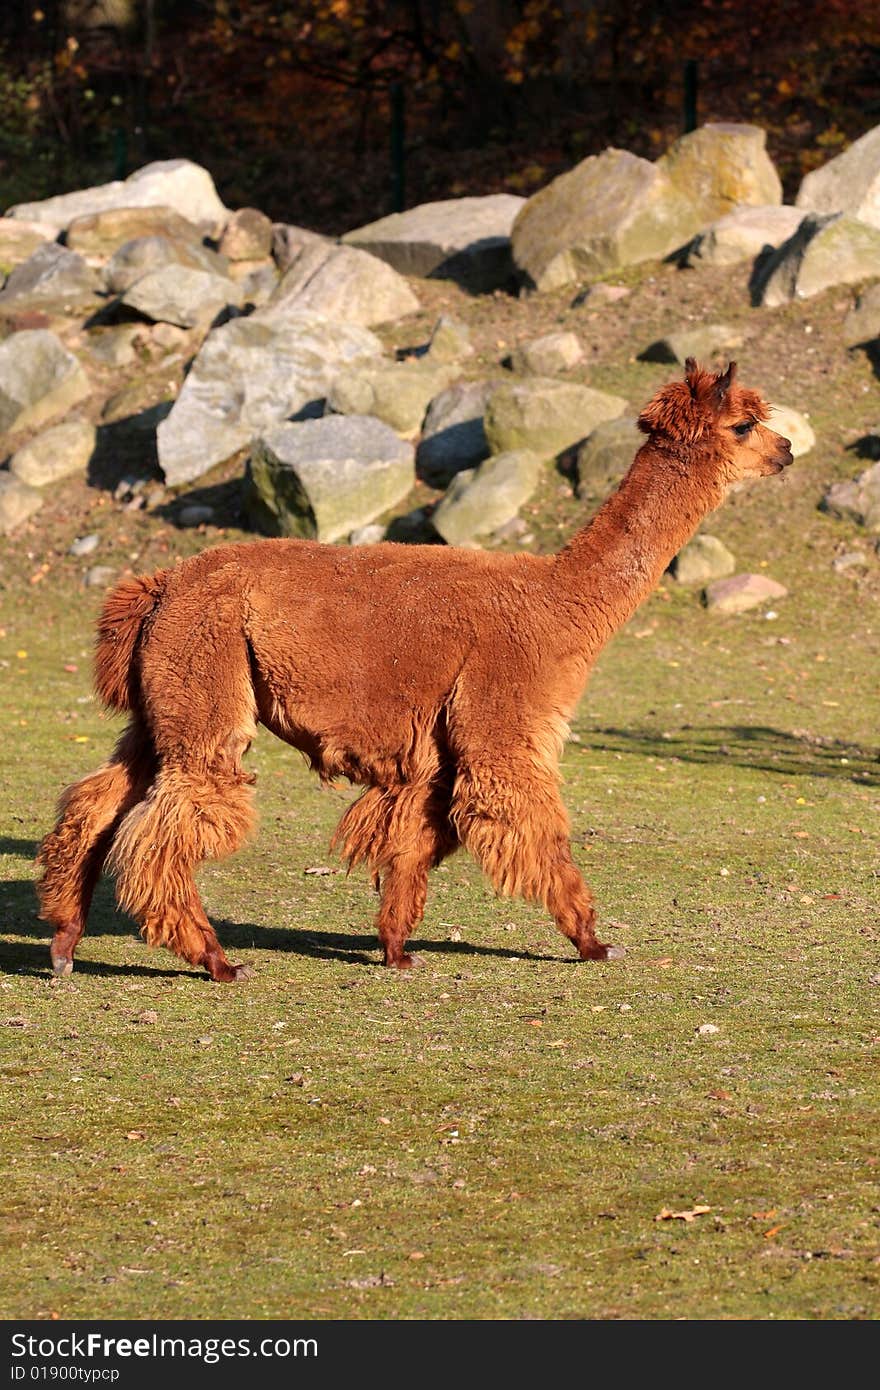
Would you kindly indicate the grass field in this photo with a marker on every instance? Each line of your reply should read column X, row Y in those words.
column 506, row 1133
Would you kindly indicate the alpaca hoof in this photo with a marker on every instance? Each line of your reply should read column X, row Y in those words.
column 222, row 973
column 615, row 952
column 599, row 951
column 241, row 973
column 62, row 965
column 405, row 962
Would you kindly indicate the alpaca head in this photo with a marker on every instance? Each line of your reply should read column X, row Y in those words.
column 710, row 417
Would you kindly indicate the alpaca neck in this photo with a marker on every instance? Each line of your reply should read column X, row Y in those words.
column 618, row 558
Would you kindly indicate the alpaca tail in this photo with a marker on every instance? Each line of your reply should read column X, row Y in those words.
column 126, row 609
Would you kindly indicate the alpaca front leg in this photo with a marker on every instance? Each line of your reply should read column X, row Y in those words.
column 404, row 893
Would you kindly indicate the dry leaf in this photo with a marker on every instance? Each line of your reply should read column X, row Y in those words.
column 667, row 1215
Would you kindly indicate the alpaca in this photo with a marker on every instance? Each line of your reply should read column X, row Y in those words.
column 439, row 679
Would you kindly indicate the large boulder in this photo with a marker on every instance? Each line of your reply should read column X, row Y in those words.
column 721, row 167
column 856, row 499
column 100, row 234
column 39, row 378
column 466, row 239
column 862, row 323
column 175, row 183
column 247, row 236
column 252, row 374
column 56, row 453
column 702, row 343
column 547, row 355
column 546, row 416
column 18, row 501
column 341, row 282
column 325, row 478
column 743, row 235
column 396, row 392
column 188, row 298
column 704, row 559
column 741, row 592
column 612, row 210
column 51, row 276
column 848, row 183
column 825, row 250
column 135, row 258
column 480, row 501
column 794, row 426
column 19, row 240
column 453, row 434
column 606, row 456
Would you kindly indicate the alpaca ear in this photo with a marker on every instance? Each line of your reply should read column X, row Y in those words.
column 692, row 374
column 723, row 383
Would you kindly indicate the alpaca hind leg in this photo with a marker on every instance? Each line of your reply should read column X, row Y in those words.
column 518, row 833
column 187, row 817
column 72, row 855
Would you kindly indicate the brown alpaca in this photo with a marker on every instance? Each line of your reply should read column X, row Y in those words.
column 439, row 679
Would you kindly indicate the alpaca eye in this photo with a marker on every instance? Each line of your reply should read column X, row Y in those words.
column 745, row 428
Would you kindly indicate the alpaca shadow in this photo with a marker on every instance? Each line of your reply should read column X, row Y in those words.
column 354, row 949
column 759, row 747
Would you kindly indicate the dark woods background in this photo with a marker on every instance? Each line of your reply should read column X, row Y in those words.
column 330, row 113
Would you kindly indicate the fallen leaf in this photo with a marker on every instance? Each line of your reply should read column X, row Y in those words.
column 667, row 1215
column 416, row 1255
column 663, row 963
column 148, row 1016
column 764, row 1215
column 319, row 869
column 774, row 1231
column 135, row 1134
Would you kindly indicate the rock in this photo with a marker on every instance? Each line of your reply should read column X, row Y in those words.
column 175, row 183
column 195, row 514
column 324, row 478
column 101, row 234
column 19, row 240
column 258, row 283
column 478, row 502
column 38, row 379
column 850, row 560
column 289, row 242
column 413, row 528
column 594, row 296
column 99, row 577
column 606, row 456
column 856, row 499
column 341, row 283
column 450, row 340
column 548, row 355
column 396, row 392
column 741, row 592
column 862, row 323
column 114, row 347
column 743, row 235
column 702, row 560
column 188, row 298
column 18, row 501
column 84, row 545
column 720, row 167
column 824, row 251
column 612, row 210
column 247, row 236
column 453, row 435
column 702, row 343
column 51, row 275
column 371, row 534
column 464, row 239
column 546, row 416
column 54, row 454
column 135, row 258
column 848, row 183
column 249, row 375
column 167, row 337
column 794, row 426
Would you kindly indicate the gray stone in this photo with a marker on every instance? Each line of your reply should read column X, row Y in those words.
column 341, row 283
column 168, row 337
column 701, row 343
column 188, row 298
column 247, row 236
column 702, row 560
column 289, row 242
column 135, row 258
column 249, row 375
column 722, row 166
column 862, row 323
column 465, row 239
column 51, row 274
column 19, row 240
column 856, row 499
column 54, row 454
column 606, row 456
column 114, row 347
column 794, row 426
column 741, row 592
column 175, row 183
column 546, row 416
column 453, row 435
column 258, row 282
column 547, row 355
column 18, row 501
column 849, row 561
column 38, row 379
column 396, row 392
column 478, row 502
column 594, row 296
column 371, row 534
column 324, row 478
column 744, row 234
column 824, row 251
column 450, row 340
column 84, row 545
column 99, row 577
column 610, row 211
column 195, row 514
column 848, row 183
column 101, row 234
